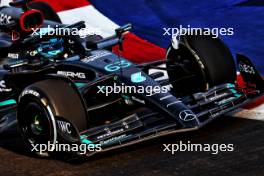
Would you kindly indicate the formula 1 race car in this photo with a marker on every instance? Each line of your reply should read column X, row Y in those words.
column 69, row 90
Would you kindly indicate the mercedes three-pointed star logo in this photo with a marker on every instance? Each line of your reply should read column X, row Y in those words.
column 187, row 115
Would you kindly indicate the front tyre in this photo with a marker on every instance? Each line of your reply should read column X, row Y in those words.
column 50, row 112
column 200, row 62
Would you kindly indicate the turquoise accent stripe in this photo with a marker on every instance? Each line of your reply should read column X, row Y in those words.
column 84, row 140
column 231, row 86
column 238, row 95
column 80, row 84
column 233, row 91
column 8, row 102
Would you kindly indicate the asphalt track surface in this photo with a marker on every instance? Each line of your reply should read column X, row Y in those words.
column 149, row 159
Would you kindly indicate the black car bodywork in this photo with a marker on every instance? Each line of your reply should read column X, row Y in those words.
column 67, row 89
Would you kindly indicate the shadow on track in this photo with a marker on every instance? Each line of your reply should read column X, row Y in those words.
column 148, row 158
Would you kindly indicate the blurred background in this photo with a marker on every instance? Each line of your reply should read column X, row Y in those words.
column 149, row 17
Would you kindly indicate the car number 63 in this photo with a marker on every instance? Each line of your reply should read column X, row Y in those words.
column 117, row 66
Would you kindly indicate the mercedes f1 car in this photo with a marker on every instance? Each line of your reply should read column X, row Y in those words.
column 61, row 88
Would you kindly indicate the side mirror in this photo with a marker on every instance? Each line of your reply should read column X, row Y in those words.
column 31, row 19
column 123, row 29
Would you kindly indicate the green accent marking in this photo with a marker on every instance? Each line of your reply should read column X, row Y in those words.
column 126, row 97
column 8, row 102
column 116, row 78
column 80, row 84
column 231, row 86
column 37, row 125
column 238, row 95
column 84, row 140
column 233, row 91
column 36, row 118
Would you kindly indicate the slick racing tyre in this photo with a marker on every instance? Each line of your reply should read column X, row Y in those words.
column 199, row 63
column 50, row 112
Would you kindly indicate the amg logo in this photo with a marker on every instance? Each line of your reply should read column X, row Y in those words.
column 64, row 126
column 5, row 19
column 72, row 74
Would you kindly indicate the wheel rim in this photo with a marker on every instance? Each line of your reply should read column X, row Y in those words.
column 187, row 66
column 37, row 125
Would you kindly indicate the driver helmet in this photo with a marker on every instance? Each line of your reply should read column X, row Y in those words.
column 51, row 48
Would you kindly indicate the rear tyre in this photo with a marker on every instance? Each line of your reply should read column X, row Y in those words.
column 50, row 112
